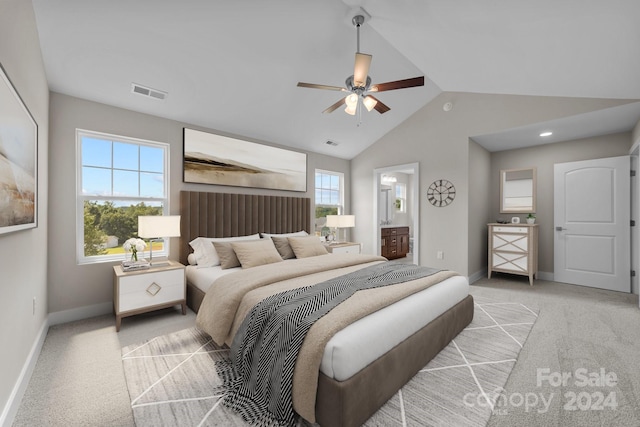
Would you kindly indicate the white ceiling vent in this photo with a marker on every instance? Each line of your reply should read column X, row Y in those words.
column 147, row 91
column 334, row 144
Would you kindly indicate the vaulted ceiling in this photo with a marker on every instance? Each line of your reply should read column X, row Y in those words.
column 233, row 66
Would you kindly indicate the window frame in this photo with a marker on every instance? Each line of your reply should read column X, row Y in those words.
column 81, row 198
column 402, row 197
column 340, row 206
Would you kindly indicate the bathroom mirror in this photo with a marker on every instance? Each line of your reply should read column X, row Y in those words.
column 518, row 190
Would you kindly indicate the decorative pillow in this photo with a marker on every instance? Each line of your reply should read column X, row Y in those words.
column 297, row 233
column 255, row 253
column 191, row 259
column 205, row 252
column 307, row 246
column 283, row 247
column 226, row 255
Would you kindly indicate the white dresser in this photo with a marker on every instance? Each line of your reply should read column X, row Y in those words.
column 513, row 248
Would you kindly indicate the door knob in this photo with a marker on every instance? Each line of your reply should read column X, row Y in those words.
column 560, row 228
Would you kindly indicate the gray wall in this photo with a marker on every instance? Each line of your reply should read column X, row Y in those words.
column 23, row 254
column 89, row 287
column 479, row 207
column 543, row 157
column 439, row 141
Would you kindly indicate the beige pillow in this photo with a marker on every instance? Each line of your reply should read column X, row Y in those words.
column 283, row 247
column 227, row 255
column 307, row 246
column 256, row 252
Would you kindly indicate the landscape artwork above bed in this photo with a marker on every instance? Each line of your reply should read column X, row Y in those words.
column 221, row 160
column 18, row 161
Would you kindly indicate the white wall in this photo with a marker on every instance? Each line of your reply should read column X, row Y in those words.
column 87, row 289
column 439, row 141
column 23, row 254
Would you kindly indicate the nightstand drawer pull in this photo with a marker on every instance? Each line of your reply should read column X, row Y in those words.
column 153, row 289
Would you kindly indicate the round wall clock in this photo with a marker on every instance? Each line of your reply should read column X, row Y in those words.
column 441, row 193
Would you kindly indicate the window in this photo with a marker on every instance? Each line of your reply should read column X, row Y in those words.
column 329, row 198
column 401, row 197
column 119, row 179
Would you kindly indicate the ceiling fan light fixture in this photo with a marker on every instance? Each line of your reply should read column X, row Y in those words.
column 369, row 102
column 351, row 101
column 351, row 109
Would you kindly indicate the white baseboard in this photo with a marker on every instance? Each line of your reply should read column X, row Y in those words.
column 80, row 313
column 13, row 404
column 477, row 276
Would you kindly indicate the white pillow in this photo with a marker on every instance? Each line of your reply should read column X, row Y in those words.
column 205, row 252
column 297, row 233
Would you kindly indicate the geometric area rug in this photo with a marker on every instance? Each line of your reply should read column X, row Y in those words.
column 172, row 379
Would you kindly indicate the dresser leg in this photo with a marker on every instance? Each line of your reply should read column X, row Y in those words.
column 184, row 308
column 531, row 280
column 118, row 322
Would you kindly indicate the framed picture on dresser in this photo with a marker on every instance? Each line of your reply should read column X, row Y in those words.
column 221, row 160
column 18, row 161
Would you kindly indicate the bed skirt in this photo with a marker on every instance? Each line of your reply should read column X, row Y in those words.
column 351, row 402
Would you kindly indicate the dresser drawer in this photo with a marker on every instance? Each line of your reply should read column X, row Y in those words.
column 510, row 262
column 497, row 229
column 145, row 290
column 510, row 242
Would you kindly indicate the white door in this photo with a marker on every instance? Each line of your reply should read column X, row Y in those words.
column 592, row 223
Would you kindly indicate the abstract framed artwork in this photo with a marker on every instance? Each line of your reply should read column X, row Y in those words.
column 18, row 161
column 216, row 159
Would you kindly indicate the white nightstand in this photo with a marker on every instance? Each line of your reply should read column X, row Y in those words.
column 136, row 292
column 344, row 248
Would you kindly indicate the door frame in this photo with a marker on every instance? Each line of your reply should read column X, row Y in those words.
column 412, row 169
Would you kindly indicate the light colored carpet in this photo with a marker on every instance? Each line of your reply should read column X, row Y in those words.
column 172, row 379
column 79, row 378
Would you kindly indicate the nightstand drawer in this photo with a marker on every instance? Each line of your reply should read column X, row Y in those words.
column 347, row 249
column 145, row 290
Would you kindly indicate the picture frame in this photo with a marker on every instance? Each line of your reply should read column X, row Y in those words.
column 209, row 158
column 18, row 161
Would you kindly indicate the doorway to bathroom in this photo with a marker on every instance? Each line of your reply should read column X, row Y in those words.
column 396, row 190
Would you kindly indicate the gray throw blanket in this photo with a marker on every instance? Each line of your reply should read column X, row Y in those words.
column 265, row 348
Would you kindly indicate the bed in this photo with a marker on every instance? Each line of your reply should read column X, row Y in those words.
column 346, row 390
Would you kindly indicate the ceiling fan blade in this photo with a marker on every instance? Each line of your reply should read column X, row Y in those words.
column 379, row 107
column 315, row 86
column 398, row 84
column 334, row 106
column 361, row 69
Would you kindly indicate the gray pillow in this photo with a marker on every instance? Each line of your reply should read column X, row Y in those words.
column 283, row 247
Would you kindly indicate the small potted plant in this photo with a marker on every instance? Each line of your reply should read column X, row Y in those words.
column 531, row 218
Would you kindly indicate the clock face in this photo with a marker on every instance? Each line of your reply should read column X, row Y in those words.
column 441, row 193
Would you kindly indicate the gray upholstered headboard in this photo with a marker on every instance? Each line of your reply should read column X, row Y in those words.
column 226, row 215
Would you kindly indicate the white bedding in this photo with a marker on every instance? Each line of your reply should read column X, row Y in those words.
column 374, row 335
column 203, row 278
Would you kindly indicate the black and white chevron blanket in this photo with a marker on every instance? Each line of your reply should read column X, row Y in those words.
column 259, row 376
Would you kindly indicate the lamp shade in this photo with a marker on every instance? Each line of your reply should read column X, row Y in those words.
column 341, row 221
column 159, row 226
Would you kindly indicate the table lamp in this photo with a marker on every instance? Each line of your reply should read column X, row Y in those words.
column 156, row 228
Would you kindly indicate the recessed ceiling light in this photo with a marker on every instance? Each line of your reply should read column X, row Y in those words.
column 543, row 134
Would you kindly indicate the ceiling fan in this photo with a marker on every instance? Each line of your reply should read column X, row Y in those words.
column 359, row 84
